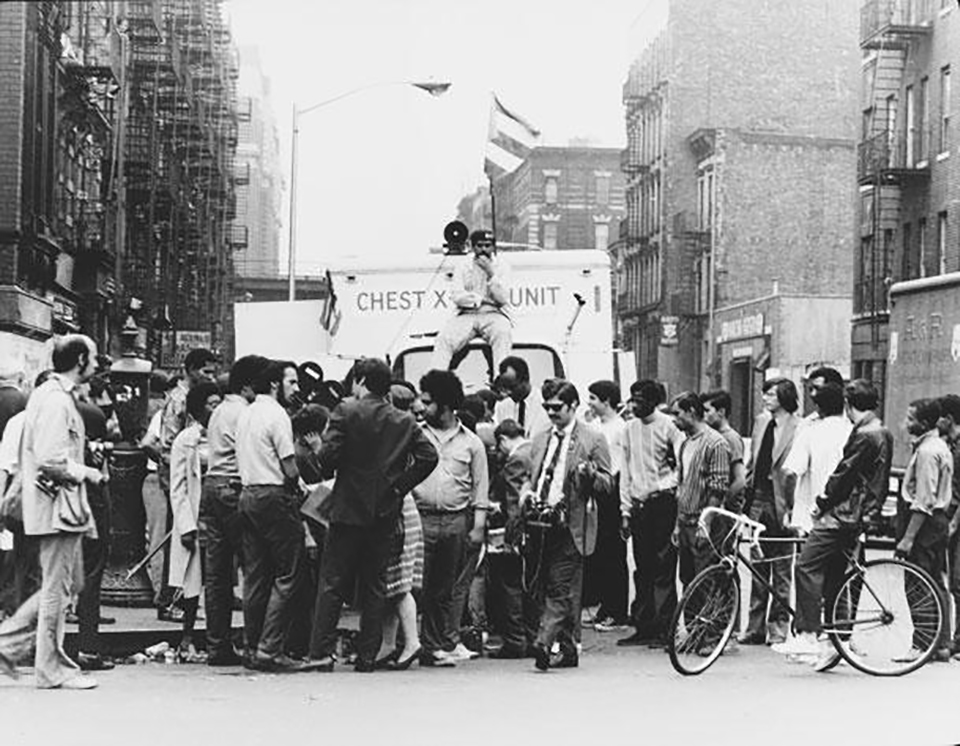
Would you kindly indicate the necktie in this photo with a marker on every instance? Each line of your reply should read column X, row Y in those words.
column 765, row 458
column 521, row 413
column 551, row 468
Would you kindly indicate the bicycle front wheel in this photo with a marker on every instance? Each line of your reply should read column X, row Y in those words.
column 704, row 620
column 887, row 619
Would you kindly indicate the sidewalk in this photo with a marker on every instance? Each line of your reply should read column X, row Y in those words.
column 137, row 629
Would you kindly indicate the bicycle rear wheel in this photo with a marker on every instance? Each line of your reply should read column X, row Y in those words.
column 887, row 619
column 704, row 620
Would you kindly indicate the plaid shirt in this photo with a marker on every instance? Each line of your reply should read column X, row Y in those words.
column 703, row 471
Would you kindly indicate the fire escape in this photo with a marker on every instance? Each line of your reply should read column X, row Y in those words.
column 893, row 157
column 182, row 138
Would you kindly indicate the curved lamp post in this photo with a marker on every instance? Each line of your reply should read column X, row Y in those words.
column 434, row 89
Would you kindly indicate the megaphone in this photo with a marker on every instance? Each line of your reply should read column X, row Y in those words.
column 455, row 235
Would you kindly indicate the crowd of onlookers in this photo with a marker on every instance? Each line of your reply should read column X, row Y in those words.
column 491, row 523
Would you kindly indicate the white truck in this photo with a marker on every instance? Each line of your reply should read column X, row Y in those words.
column 560, row 306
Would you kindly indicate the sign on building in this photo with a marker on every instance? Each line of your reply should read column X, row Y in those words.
column 669, row 331
column 177, row 344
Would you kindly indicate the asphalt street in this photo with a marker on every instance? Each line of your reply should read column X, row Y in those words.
column 617, row 695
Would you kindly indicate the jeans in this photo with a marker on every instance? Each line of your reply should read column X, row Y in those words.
column 354, row 553
column 221, row 535
column 562, row 585
column 775, row 569
column 464, row 599
column 820, row 570
column 694, row 554
column 929, row 552
column 61, row 565
column 651, row 527
column 95, row 554
column 444, row 544
column 273, row 553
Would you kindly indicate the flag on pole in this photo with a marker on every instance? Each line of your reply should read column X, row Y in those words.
column 510, row 140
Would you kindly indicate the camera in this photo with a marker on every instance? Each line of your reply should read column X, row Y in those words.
column 539, row 516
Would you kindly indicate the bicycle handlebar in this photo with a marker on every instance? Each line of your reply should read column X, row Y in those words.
column 749, row 529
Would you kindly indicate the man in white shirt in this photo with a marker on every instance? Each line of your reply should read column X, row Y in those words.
column 273, row 539
column 523, row 403
column 481, row 300
column 605, row 579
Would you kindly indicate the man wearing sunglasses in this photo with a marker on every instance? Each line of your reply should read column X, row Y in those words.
column 570, row 470
column 481, row 298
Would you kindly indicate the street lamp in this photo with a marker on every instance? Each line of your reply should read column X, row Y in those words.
column 434, row 89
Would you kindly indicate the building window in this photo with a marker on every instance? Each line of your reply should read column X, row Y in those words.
column 945, row 109
column 549, row 235
column 550, row 189
column 907, row 266
column 923, row 135
column 922, row 245
column 603, row 189
column 705, row 196
column 911, row 127
column 601, row 236
column 942, row 243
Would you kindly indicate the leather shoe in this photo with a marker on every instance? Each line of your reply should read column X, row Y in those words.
column 541, row 658
column 387, row 661
column 508, row 652
column 362, row 666
column 94, row 662
column 637, row 638
column 402, row 664
column 170, row 614
column 225, row 658
column 753, row 638
column 277, row 664
column 566, row 659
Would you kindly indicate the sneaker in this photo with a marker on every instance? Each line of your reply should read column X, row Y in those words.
column 588, row 616
column 79, row 682
column 802, row 644
column 909, row 657
column 826, row 660
column 438, row 659
column 609, row 624
column 462, row 653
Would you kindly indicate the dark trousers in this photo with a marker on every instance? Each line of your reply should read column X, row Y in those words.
column 95, row 553
column 820, row 570
column 221, row 535
column 694, row 553
column 775, row 569
column 655, row 578
column 561, row 589
column 953, row 557
column 21, row 575
column 515, row 613
column 605, row 574
column 464, row 600
column 930, row 553
column 354, row 553
column 444, row 545
column 273, row 557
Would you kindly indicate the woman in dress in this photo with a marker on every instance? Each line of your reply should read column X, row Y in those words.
column 188, row 461
column 404, row 573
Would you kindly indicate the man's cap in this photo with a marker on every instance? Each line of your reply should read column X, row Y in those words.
column 482, row 236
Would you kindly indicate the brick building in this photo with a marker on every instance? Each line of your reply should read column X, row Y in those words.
column 740, row 142
column 473, row 210
column 908, row 167
column 60, row 67
column 259, row 181
column 562, row 198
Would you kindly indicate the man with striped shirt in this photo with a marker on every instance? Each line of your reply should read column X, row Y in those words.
column 703, row 480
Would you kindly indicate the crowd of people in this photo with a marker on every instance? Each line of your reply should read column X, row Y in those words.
column 491, row 523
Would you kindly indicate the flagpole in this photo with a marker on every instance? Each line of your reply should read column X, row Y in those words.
column 493, row 209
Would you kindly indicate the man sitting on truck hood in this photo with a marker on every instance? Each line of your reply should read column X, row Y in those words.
column 481, row 297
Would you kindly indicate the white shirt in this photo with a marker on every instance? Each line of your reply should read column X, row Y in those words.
column 613, row 430
column 555, row 495
column 10, row 444
column 816, row 451
column 264, row 439
column 535, row 419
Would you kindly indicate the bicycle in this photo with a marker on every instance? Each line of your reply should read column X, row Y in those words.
column 885, row 619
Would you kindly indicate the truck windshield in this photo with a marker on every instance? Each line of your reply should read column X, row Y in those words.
column 474, row 370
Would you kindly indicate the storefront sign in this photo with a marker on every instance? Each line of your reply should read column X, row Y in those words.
column 742, row 328
column 669, row 331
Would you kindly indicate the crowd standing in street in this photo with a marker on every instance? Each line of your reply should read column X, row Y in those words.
column 507, row 512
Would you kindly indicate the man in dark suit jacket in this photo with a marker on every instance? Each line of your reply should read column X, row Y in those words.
column 570, row 467
column 378, row 454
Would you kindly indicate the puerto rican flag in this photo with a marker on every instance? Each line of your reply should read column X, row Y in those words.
column 510, row 140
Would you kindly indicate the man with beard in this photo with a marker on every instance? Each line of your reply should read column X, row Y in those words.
column 273, row 539
column 452, row 502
